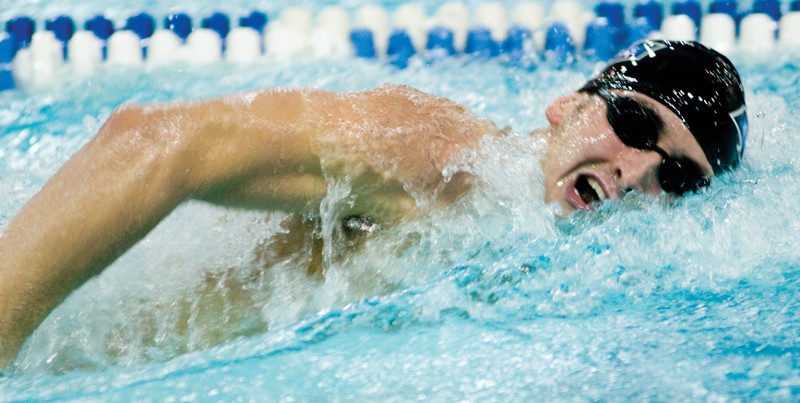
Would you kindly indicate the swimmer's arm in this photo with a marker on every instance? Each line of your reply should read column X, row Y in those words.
column 142, row 164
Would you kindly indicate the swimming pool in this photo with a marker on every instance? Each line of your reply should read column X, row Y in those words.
column 494, row 300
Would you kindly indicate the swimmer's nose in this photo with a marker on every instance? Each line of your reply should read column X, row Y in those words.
column 637, row 170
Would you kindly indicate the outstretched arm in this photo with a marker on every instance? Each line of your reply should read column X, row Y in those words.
column 270, row 150
column 253, row 150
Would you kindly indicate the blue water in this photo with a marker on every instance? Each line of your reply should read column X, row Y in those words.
column 493, row 299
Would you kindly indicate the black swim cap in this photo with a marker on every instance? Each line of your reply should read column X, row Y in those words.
column 697, row 83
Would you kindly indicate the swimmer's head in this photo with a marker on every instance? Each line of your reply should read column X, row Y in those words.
column 698, row 84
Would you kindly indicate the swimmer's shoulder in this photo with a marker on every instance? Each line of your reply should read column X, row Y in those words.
column 414, row 96
column 444, row 110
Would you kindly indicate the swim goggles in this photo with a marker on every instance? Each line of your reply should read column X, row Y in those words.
column 638, row 126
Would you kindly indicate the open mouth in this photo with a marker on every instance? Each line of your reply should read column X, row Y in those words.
column 589, row 190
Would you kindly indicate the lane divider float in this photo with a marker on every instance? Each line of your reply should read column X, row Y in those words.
column 525, row 33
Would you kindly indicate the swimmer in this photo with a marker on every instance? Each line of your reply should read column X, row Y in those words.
column 662, row 118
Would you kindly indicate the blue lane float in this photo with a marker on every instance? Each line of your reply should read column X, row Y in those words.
column 640, row 28
column 440, row 42
column 400, row 48
column 771, row 8
column 363, row 43
column 599, row 42
column 219, row 23
column 141, row 24
column 255, row 20
column 558, row 45
column 21, row 29
column 612, row 11
column 724, row 7
column 689, row 8
column 652, row 11
column 180, row 24
column 514, row 47
column 101, row 26
column 480, row 44
column 7, row 48
column 63, row 28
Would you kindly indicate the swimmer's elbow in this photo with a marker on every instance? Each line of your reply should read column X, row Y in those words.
column 121, row 120
column 130, row 124
column 143, row 144
column 121, row 134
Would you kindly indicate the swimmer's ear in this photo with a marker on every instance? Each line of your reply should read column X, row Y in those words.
column 562, row 107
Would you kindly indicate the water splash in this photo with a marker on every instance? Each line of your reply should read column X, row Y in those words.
column 643, row 300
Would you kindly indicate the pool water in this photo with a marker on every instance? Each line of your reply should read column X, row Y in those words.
column 492, row 299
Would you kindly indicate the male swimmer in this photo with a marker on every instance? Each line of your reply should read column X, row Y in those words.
column 664, row 117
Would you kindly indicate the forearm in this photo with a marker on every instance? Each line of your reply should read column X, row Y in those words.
column 103, row 200
column 270, row 150
column 142, row 164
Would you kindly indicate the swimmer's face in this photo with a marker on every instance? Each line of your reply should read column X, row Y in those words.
column 586, row 162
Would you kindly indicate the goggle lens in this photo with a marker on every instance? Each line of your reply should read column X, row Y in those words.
column 638, row 126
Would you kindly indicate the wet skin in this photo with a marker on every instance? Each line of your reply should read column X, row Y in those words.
column 279, row 151
column 582, row 146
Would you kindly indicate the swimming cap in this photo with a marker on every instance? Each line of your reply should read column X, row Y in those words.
column 697, row 83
